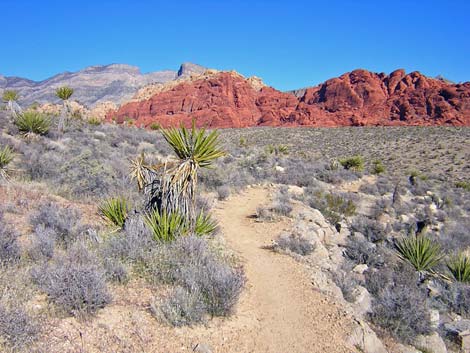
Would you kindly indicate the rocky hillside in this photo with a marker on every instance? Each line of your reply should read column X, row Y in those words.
column 115, row 83
column 227, row 99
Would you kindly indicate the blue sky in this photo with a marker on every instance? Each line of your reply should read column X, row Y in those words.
column 290, row 44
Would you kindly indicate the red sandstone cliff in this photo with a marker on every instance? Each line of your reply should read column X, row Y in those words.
column 226, row 99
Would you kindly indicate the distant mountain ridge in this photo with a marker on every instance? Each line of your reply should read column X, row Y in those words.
column 357, row 98
column 115, row 83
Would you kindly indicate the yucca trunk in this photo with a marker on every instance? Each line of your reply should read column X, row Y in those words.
column 63, row 117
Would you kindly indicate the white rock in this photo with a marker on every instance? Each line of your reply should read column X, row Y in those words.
column 279, row 169
column 363, row 300
column 434, row 318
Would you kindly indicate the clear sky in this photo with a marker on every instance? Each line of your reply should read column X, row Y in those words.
column 290, row 44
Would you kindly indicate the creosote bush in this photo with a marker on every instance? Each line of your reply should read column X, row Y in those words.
column 10, row 251
column 33, row 122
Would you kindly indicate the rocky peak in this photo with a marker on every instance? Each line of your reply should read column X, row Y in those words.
column 188, row 69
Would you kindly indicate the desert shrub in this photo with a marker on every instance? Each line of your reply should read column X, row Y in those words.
column 115, row 270
column 265, row 214
column 182, row 308
column 282, row 203
column 33, row 122
column 75, row 282
column 456, row 298
column 295, row 243
column 373, row 230
column 65, row 222
column 43, row 243
column 420, row 251
column 223, row 192
column 459, row 266
column 17, row 328
column 347, row 284
column 370, row 189
column 133, row 244
column 454, row 234
column 94, row 121
column 10, row 251
column 400, row 305
column 115, row 210
column 188, row 262
column 378, row 167
column 334, row 207
column 365, row 252
column 354, row 163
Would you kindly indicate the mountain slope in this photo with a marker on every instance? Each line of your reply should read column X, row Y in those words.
column 227, row 99
column 95, row 84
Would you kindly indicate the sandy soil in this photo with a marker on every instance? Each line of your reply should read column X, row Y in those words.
column 279, row 310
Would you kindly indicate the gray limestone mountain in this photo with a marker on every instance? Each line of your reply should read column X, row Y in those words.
column 95, row 84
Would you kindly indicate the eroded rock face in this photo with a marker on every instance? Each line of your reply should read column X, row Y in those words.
column 358, row 98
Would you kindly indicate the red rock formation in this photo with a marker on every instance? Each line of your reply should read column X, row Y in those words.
column 357, row 98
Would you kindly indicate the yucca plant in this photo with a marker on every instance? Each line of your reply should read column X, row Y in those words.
column 196, row 149
column 166, row 226
column 11, row 97
column 115, row 210
column 205, row 225
column 32, row 122
column 6, row 156
column 354, row 163
column 64, row 93
column 420, row 251
column 459, row 266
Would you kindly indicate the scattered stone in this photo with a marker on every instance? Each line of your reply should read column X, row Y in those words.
column 202, row 348
column 365, row 339
column 459, row 332
column 361, row 268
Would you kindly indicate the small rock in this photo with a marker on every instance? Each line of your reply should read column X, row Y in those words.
column 279, row 169
column 434, row 318
column 363, row 300
column 366, row 339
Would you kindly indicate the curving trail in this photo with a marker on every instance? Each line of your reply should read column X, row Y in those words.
column 279, row 310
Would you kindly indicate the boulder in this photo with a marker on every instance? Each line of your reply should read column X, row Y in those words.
column 431, row 343
column 365, row 339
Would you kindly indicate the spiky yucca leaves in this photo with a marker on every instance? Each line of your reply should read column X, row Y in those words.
column 419, row 251
column 205, row 225
column 64, row 92
column 32, row 122
column 10, row 95
column 6, row 156
column 194, row 145
column 143, row 172
column 115, row 210
column 195, row 149
column 166, row 226
column 459, row 266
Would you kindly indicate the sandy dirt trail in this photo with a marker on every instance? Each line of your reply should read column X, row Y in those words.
column 284, row 311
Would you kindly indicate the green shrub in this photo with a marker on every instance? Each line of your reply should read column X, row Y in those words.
column 115, row 210
column 33, row 122
column 459, row 266
column 277, row 150
column 419, row 251
column 154, row 126
column 94, row 121
column 378, row 167
column 166, row 226
column 355, row 163
column 6, row 156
